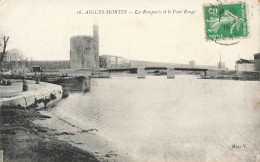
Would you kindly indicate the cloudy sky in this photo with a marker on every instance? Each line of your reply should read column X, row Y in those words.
column 42, row 30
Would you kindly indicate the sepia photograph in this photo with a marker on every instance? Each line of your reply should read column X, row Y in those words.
column 129, row 81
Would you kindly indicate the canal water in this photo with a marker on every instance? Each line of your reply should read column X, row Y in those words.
column 160, row 119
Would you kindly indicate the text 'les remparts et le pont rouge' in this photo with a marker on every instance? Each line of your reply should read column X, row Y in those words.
column 136, row 12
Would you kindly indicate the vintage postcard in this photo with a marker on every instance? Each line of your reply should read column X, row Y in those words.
column 130, row 80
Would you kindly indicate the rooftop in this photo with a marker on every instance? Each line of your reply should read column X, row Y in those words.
column 257, row 55
column 244, row 61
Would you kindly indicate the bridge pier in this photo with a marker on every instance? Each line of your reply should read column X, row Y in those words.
column 141, row 72
column 205, row 73
column 170, row 73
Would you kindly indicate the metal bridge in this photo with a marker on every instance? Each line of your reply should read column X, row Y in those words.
column 134, row 70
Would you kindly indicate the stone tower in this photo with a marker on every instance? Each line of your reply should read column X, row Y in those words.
column 96, row 37
column 84, row 51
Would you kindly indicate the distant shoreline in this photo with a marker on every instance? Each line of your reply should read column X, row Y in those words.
column 233, row 75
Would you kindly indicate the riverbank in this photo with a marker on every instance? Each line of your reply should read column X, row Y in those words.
column 81, row 134
column 23, row 140
column 232, row 75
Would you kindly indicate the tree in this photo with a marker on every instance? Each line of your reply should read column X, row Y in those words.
column 3, row 44
column 15, row 61
column 14, row 54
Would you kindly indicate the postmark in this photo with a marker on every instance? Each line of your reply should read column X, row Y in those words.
column 225, row 21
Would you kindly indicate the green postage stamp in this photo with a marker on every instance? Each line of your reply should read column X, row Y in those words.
column 225, row 21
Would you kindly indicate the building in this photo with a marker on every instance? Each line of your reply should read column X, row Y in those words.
column 84, row 50
column 37, row 69
column 257, row 61
column 245, row 65
column 103, row 62
column 112, row 62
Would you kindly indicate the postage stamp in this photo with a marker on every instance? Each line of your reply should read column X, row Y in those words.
column 225, row 21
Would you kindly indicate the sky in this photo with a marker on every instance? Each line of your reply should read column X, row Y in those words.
column 41, row 29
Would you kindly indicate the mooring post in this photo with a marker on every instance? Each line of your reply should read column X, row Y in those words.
column 25, row 85
column 37, row 80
